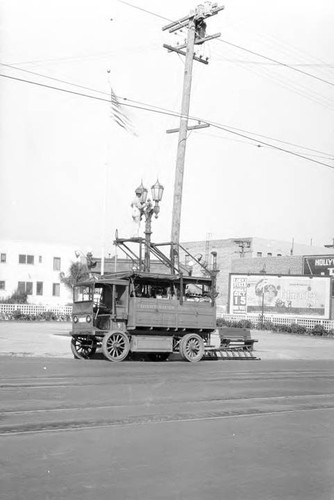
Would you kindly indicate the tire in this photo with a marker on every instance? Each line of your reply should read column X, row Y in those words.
column 158, row 356
column 116, row 346
column 192, row 347
column 83, row 347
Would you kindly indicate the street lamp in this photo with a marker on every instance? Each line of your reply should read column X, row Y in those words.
column 147, row 209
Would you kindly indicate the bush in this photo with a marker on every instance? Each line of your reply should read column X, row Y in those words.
column 299, row 329
column 294, row 328
column 265, row 325
column 17, row 315
column 318, row 330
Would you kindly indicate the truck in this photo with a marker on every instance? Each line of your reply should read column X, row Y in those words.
column 140, row 311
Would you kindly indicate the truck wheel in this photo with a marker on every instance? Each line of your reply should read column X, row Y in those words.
column 83, row 347
column 158, row 356
column 192, row 347
column 116, row 346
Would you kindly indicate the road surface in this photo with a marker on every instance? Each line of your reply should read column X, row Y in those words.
column 234, row 430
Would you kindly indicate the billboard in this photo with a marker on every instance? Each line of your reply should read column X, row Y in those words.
column 280, row 295
column 319, row 265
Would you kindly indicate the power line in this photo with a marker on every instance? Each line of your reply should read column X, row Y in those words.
column 251, row 144
column 259, row 63
column 162, row 109
column 275, row 61
column 53, row 78
column 170, row 113
column 286, row 83
column 144, row 10
column 240, row 47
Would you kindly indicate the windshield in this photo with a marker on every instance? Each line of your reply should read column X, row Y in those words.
column 83, row 294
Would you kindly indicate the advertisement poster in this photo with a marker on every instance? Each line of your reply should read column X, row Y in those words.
column 321, row 265
column 280, row 295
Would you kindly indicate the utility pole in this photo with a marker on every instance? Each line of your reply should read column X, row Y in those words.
column 196, row 26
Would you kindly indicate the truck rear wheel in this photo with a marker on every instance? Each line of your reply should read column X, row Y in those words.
column 192, row 347
column 116, row 346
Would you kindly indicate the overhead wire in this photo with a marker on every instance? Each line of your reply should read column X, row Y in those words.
column 297, row 88
column 254, row 145
column 238, row 47
column 287, row 49
column 289, row 85
column 249, row 51
column 213, row 124
column 163, row 109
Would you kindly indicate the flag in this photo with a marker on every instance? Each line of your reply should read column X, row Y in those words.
column 118, row 115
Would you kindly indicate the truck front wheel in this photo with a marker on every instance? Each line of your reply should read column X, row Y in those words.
column 83, row 347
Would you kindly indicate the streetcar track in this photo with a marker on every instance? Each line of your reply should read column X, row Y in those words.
column 230, row 377
column 149, row 420
column 157, row 403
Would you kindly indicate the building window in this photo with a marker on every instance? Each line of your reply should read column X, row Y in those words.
column 26, row 259
column 2, row 285
column 56, row 263
column 56, row 289
column 279, row 255
column 269, row 254
column 40, row 259
column 258, row 254
column 3, row 258
column 39, row 288
column 25, row 287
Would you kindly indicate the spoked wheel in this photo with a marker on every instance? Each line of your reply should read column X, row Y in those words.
column 158, row 356
column 83, row 347
column 192, row 347
column 116, row 346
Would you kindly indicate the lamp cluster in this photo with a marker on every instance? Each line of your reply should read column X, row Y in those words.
column 156, row 192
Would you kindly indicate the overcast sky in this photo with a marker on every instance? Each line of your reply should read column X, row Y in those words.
column 68, row 171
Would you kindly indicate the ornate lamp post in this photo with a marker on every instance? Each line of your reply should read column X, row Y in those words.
column 147, row 209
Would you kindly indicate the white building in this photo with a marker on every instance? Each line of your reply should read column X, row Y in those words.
column 35, row 268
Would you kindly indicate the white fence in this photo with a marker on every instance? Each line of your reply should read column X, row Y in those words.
column 308, row 323
column 280, row 320
column 34, row 309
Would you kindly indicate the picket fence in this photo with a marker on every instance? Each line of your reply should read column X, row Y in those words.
column 308, row 323
column 34, row 309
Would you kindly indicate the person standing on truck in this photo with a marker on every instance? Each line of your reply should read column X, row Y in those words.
column 137, row 206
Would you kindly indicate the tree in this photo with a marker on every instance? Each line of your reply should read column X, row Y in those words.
column 77, row 272
column 17, row 297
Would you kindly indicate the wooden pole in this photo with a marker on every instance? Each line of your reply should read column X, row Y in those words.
column 181, row 148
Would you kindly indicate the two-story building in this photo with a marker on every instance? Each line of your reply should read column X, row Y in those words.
column 35, row 268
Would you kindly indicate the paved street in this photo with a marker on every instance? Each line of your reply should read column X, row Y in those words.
column 236, row 430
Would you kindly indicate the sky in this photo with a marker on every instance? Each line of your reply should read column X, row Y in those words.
column 68, row 172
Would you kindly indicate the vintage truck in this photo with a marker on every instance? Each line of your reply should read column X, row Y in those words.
column 157, row 313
